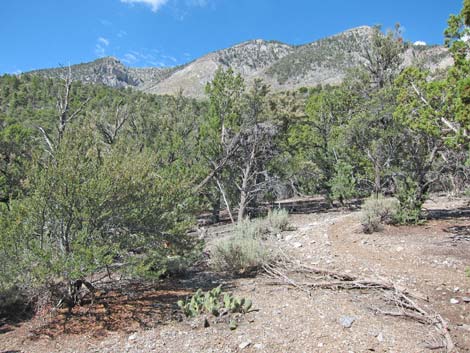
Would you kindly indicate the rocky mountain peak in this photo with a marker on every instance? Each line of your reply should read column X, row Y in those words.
column 281, row 65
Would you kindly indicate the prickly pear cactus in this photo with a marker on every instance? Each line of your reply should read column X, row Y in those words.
column 214, row 302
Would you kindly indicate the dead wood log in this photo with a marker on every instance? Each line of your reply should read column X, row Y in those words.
column 400, row 297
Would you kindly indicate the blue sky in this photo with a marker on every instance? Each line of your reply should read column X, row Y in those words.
column 46, row 33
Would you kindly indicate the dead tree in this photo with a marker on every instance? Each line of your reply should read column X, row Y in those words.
column 256, row 150
column 110, row 130
column 64, row 114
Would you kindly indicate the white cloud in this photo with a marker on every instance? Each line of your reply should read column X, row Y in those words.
column 105, row 22
column 129, row 58
column 100, row 47
column 103, row 41
column 149, row 57
column 419, row 42
column 122, row 33
column 200, row 3
column 154, row 4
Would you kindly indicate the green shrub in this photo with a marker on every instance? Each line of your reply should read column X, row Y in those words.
column 343, row 184
column 247, row 248
column 240, row 253
column 91, row 204
column 411, row 200
column 278, row 220
column 275, row 222
column 376, row 211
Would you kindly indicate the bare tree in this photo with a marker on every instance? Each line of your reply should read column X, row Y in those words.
column 64, row 113
column 256, row 150
column 110, row 130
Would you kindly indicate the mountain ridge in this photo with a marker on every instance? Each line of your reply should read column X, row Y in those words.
column 282, row 66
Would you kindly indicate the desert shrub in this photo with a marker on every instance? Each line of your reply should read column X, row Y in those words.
column 240, row 254
column 275, row 222
column 15, row 303
column 378, row 210
column 278, row 220
column 466, row 192
column 411, row 199
column 247, row 248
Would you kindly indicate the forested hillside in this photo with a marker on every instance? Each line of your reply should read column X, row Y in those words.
column 94, row 178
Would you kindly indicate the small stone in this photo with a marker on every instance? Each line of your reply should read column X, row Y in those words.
column 289, row 237
column 454, row 301
column 245, row 344
column 320, row 344
column 380, row 337
column 466, row 299
column 456, row 289
column 133, row 337
column 297, row 245
column 399, row 248
column 347, row 321
column 206, row 322
column 258, row 346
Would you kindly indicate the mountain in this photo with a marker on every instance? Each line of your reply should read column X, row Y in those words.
column 281, row 65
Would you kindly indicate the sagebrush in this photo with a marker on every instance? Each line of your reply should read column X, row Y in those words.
column 378, row 210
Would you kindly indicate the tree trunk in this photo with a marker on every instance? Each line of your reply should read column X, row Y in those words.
column 377, row 180
column 242, row 206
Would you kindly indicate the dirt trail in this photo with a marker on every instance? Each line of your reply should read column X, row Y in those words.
column 288, row 320
column 424, row 259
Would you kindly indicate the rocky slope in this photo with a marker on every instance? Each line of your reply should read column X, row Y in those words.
column 283, row 66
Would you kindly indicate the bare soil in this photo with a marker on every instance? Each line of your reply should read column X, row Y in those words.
column 430, row 259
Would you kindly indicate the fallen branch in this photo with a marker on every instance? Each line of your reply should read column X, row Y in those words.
column 283, row 271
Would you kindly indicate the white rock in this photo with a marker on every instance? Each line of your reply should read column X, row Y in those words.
column 245, row 344
column 347, row 321
column 297, row 245
column 454, row 301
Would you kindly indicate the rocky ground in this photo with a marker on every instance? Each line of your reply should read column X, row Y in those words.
column 430, row 259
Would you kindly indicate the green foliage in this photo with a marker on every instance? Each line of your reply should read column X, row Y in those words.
column 384, row 56
column 247, row 249
column 240, row 254
column 315, row 138
column 216, row 303
column 411, row 200
column 277, row 220
column 334, row 53
column 378, row 210
column 120, row 184
column 92, row 203
column 15, row 144
column 343, row 184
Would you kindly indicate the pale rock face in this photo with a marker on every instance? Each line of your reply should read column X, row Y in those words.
column 280, row 65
